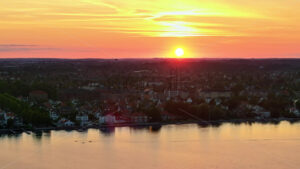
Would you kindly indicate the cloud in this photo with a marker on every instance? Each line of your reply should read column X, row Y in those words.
column 23, row 47
column 16, row 45
column 142, row 11
column 32, row 48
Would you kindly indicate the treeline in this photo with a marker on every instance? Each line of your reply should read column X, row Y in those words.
column 203, row 111
column 34, row 116
column 19, row 88
column 277, row 106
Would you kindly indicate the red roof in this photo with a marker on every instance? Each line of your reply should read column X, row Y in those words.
column 38, row 92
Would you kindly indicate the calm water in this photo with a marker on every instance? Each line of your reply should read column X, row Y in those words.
column 257, row 146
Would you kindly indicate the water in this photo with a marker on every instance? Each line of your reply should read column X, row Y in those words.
column 229, row 146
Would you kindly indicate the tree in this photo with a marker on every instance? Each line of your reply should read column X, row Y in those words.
column 298, row 104
column 154, row 114
column 10, row 123
column 233, row 102
column 216, row 113
column 237, row 88
column 21, row 109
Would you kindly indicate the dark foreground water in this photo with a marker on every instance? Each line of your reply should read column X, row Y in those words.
column 229, row 146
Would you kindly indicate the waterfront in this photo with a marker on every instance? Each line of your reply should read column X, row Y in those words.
column 264, row 146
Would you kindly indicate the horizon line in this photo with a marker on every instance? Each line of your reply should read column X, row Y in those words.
column 159, row 58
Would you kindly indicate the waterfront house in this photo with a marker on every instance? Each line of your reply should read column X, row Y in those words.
column 69, row 123
column 9, row 115
column 139, row 118
column 3, row 121
column 166, row 116
column 53, row 115
column 82, row 119
column 114, row 118
column 65, row 123
column 260, row 111
column 295, row 111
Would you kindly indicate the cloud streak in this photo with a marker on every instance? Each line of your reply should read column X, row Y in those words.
column 31, row 48
column 24, row 48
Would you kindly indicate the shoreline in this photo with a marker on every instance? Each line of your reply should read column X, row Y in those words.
column 215, row 123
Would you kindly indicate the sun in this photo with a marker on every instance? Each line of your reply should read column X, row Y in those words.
column 179, row 52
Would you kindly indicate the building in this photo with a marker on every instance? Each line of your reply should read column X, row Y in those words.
column 38, row 95
column 82, row 119
column 166, row 116
column 114, row 118
column 65, row 123
column 295, row 111
column 139, row 118
column 3, row 121
column 214, row 94
column 53, row 115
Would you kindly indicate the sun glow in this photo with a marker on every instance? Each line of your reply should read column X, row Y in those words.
column 179, row 52
column 135, row 28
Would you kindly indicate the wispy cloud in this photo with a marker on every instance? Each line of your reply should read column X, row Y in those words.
column 31, row 48
column 16, row 45
column 23, row 47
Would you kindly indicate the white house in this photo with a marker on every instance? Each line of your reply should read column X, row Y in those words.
column 109, row 118
column 83, row 119
column 113, row 118
column 265, row 114
column 53, row 115
column 261, row 111
column 189, row 100
column 295, row 111
column 3, row 121
column 65, row 122
column 69, row 123
column 139, row 118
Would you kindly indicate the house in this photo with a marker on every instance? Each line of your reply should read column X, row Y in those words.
column 65, row 109
column 53, row 115
column 218, row 101
column 295, row 111
column 214, row 94
column 4, row 117
column 9, row 115
column 156, row 83
column 18, row 121
column 82, row 119
column 297, row 93
column 3, row 121
column 139, row 118
column 69, row 123
column 97, row 114
column 171, row 94
column 184, row 95
column 261, row 112
column 65, row 123
column 38, row 95
column 108, row 118
column 189, row 100
column 264, row 114
column 114, row 118
column 166, row 116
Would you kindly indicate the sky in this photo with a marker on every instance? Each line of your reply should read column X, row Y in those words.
column 149, row 29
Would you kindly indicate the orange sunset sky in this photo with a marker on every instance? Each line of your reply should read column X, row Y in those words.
column 148, row 29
